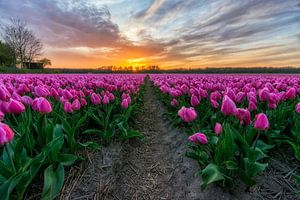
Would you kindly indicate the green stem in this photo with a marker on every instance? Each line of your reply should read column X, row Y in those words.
column 10, row 158
column 255, row 141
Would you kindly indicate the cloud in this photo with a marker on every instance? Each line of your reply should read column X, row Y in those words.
column 164, row 32
column 61, row 24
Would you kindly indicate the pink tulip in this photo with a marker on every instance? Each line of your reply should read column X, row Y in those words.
column 4, row 93
column 41, row 105
column 95, row 98
column 40, row 91
column 298, row 108
column 16, row 96
column 291, row 93
column 252, row 106
column 6, row 134
column 228, row 106
column 187, row 114
column 244, row 116
column 83, row 102
column 264, row 94
column 67, row 94
column 54, row 93
column 198, row 138
column 4, row 107
column 105, row 100
column 27, row 100
column 76, row 105
column 174, row 102
column 194, row 101
column 218, row 128
column 214, row 103
column 240, row 97
column 272, row 105
column 16, row 107
column 261, row 122
column 125, row 103
column 68, row 107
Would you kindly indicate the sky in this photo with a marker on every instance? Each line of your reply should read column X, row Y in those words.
column 168, row 33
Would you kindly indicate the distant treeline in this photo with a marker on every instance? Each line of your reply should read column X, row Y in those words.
column 237, row 70
column 282, row 70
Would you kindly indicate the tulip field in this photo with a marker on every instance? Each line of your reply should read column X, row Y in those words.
column 232, row 123
column 43, row 118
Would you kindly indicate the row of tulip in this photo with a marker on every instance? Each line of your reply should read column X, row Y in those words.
column 233, row 120
column 45, row 119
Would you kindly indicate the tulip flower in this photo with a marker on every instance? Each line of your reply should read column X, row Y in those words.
column 105, row 100
column 40, row 91
column 194, row 101
column 95, row 98
column 16, row 107
column 218, row 128
column 187, row 114
column 214, row 103
column 4, row 107
column 83, row 102
column 252, row 106
column 264, row 94
column 67, row 94
column 76, row 105
column 42, row 105
column 125, row 103
column 228, row 106
column 6, row 135
column 4, row 93
column 291, row 93
column 261, row 122
column 54, row 93
column 298, row 108
column 27, row 100
column 198, row 138
column 68, row 107
column 244, row 116
column 174, row 102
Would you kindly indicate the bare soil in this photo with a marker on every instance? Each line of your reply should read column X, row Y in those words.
column 157, row 168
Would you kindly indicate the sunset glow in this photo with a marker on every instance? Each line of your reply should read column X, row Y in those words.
column 168, row 33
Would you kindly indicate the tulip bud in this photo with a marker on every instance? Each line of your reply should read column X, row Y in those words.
column 218, row 128
column 228, row 106
column 95, row 98
column 194, row 101
column 291, row 93
column 187, row 114
column 4, row 93
column 174, row 102
column 298, row 108
column 261, row 122
column 105, row 100
column 76, row 105
column 68, row 107
column 16, row 107
column 198, row 138
column 6, row 134
column 125, row 103
column 83, row 102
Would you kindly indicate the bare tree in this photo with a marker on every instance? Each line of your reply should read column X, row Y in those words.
column 25, row 46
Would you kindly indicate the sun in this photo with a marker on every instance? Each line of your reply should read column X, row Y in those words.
column 136, row 62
